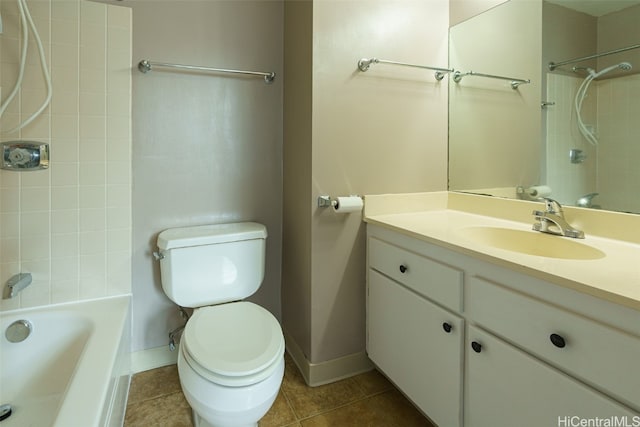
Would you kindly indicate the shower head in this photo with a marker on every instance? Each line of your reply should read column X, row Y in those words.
column 623, row 66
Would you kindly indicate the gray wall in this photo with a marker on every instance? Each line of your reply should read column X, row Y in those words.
column 206, row 148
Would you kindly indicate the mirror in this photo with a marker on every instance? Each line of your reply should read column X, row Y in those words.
column 529, row 142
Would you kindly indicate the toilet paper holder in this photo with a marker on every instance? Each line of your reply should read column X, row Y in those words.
column 326, row 202
column 329, row 202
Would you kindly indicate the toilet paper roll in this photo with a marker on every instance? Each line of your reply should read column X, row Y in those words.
column 348, row 204
column 538, row 191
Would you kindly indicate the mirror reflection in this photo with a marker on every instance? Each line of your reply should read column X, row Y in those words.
column 573, row 133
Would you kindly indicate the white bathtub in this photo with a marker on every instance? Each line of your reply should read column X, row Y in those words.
column 72, row 370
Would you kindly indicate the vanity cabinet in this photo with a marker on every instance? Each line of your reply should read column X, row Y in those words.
column 520, row 350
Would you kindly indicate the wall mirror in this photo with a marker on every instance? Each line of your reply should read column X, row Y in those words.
column 573, row 132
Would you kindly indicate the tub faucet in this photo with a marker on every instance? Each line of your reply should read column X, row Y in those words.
column 552, row 221
column 17, row 283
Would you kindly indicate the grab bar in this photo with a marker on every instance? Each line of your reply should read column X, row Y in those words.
column 457, row 77
column 365, row 63
column 145, row 65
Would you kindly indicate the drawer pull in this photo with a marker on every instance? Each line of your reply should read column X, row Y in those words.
column 403, row 268
column 476, row 346
column 557, row 340
column 447, row 327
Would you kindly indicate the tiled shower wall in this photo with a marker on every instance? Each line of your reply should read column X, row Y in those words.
column 619, row 147
column 568, row 181
column 70, row 225
column 611, row 168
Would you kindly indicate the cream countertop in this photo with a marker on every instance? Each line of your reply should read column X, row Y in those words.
column 440, row 218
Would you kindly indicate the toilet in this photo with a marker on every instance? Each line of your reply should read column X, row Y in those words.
column 231, row 355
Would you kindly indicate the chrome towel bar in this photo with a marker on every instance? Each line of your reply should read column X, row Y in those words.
column 145, row 65
column 365, row 63
column 457, row 77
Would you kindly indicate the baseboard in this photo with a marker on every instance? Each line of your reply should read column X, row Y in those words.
column 152, row 358
column 316, row 374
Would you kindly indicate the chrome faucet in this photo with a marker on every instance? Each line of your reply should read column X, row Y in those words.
column 552, row 221
column 17, row 283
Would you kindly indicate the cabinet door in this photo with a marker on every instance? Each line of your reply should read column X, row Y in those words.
column 409, row 342
column 507, row 387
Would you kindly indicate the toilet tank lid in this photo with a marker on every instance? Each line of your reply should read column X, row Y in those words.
column 210, row 234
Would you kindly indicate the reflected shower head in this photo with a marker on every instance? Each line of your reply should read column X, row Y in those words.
column 623, row 66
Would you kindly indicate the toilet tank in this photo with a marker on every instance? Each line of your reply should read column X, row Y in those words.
column 211, row 264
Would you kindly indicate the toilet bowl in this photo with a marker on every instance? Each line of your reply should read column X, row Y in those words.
column 231, row 355
column 231, row 376
column 215, row 405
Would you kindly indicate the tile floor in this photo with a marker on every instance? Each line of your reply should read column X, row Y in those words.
column 367, row 400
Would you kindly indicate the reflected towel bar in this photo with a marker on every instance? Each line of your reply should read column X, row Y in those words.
column 145, row 66
column 365, row 63
column 554, row 65
column 457, row 77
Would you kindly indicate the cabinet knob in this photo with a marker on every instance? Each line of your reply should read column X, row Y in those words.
column 403, row 268
column 476, row 346
column 557, row 340
column 447, row 327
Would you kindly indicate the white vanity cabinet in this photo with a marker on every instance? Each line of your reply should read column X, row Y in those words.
column 521, row 351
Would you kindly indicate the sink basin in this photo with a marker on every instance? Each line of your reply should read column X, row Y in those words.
column 531, row 243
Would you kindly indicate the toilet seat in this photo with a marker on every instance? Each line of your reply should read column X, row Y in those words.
column 235, row 344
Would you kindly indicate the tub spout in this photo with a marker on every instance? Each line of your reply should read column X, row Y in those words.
column 16, row 284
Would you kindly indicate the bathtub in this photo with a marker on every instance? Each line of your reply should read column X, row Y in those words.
column 72, row 370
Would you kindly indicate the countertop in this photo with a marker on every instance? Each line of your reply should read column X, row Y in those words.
column 614, row 277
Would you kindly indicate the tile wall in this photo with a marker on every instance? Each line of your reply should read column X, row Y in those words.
column 70, row 225
column 568, row 181
column 619, row 147
column 612, row 106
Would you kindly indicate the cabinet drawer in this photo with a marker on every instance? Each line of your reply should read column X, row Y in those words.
column 602, row 356
column 425, row 276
